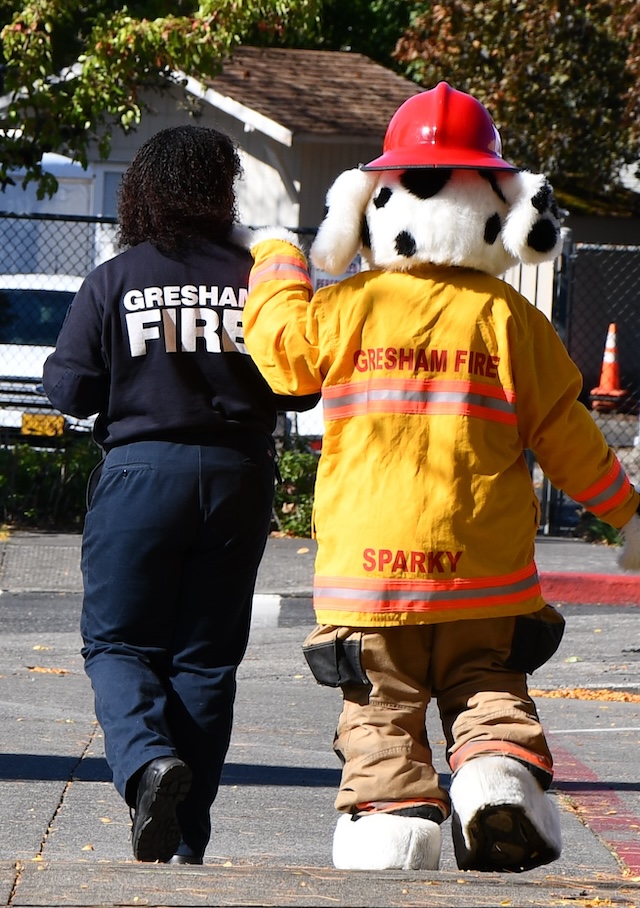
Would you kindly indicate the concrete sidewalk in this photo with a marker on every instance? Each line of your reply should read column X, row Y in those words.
column 571, row 570
column 64, row 832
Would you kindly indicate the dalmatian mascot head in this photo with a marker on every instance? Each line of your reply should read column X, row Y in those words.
column 441, row 192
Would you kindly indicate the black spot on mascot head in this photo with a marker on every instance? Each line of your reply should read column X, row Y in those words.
column 425, row 182
column 492, row 229
column 382, row 197
column 405, row 244
column 365, row 233
column 543, row 236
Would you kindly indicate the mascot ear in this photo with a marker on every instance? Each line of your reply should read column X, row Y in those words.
column 532, row 231
column 339, row 236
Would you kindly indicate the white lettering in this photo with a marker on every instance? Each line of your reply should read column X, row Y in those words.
column 228, row 297
column 195, row 323
column 208, row 296
column 189, row 295
column 153, row 296
column 172, row 296
column 186, row 318
column 133, row 300
column 169, row 320
column 232, row 336
column 141, row 329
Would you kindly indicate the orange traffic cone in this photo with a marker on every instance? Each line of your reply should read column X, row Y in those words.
column 609, row 395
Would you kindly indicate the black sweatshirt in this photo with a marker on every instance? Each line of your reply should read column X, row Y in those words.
column 153, row 344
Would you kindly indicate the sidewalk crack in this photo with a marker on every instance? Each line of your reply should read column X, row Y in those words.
column 19, row 870
column 66, row 788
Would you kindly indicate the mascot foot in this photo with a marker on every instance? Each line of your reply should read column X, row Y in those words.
column 502, row 819
column 382, row 841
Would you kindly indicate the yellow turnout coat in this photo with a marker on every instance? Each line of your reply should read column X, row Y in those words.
column 434, row 382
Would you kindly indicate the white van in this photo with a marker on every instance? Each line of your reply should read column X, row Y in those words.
column 32, row 309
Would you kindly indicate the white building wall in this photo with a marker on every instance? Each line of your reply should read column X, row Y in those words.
column 321, row 163
column 74, row 195
column 263, row 197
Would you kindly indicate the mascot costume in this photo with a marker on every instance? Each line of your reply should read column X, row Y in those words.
column 436, row 377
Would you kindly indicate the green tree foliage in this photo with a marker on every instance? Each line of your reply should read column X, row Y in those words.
column 72, row 69
column 369, row 27
column 560, row 77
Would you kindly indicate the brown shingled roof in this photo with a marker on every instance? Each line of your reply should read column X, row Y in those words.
column 313, row 91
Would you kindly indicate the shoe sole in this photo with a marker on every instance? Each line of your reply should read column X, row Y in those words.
column 158, row 836
column 502, row 839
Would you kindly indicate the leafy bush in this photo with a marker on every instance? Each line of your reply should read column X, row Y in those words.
column 45, row 488
column 592, row 529
column 293, row 503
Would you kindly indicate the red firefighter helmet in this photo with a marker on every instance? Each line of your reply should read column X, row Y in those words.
column 442, row 127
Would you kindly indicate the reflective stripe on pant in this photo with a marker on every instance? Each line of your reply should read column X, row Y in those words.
column 172, row 543
column 484, row 706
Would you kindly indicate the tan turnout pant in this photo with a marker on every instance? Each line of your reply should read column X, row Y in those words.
column 381, row 735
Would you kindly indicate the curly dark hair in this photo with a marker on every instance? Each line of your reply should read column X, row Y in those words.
column 179, row 188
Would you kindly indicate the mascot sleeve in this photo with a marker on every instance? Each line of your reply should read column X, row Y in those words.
column 279, row 328
column 568, row 444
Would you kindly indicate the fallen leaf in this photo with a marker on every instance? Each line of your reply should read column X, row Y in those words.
column 87, row 847
column 48, row 671
column 581, row 693
column 302, row 551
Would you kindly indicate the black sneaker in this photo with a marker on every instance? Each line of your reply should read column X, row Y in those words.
column 156, row 834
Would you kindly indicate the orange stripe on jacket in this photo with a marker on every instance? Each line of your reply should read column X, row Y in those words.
column 282, row 268
column 608, row 493
column 420, row 397
column 379, row 595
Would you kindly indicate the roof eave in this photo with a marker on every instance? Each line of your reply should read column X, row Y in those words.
column 341, row 138
column 251, row 118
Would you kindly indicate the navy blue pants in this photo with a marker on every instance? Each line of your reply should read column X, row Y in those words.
column 173, row 538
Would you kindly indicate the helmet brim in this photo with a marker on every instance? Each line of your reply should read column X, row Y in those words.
column 431, row 156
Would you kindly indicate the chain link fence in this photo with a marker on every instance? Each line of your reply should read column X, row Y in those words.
column 597, row 314
column 43, row 259
column 584, row 293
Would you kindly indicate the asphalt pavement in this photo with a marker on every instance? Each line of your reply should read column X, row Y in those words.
column 65, row 833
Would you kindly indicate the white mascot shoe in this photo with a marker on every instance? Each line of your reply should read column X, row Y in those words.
column 382, row 841
column 502, row 819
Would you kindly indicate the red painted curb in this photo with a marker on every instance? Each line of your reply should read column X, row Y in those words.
column 590, row 589
column 599, row 806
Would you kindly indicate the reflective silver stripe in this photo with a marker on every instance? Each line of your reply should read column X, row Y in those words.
column 603, row 497
column 270, row 272
column 428, row 397
column 384, row 595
